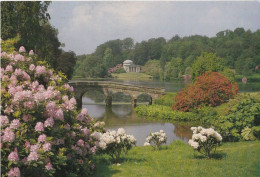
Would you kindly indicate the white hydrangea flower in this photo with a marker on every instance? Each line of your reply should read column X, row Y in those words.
column 203, row 138
column 102, row 144
column 147, row 144
column 120, row 131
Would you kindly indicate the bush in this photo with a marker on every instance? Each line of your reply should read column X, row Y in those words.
column 164, row 112
column 117, row 69
column 114, row 143
column 210, row 89
column 242, row 121
column 156, row 139
column 42, row 132
column 205, row 140
column 166, row 100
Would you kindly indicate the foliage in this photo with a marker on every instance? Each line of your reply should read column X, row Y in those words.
column 205, row 140
column 173, row 69
column 207, row 115
column 8, row 45
column 42, row 132
column 210, row 89
column 48, row 46
column 27, row 23
column 242, row 121
column 228, row 49
column 117, row 69
column 23, row 18
column 166, row 100
column 116, row 142
column 90, row 67
column 156, row 139
column 207, row 62
column 252, row 78
column 66, row 61
column 178, row 160
column 152, row 67
column 164, row 112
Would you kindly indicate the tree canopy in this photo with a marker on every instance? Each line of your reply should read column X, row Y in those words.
column 238, row 50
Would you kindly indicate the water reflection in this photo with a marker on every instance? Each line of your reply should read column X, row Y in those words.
column 122, row 115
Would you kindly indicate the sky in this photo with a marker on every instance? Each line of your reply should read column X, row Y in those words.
column 84, row 25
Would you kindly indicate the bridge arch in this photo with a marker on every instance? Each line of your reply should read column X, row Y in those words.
column 109, row 88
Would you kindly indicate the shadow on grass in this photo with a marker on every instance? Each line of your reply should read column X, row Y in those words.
column 103, row 168
column 216, row 156
column 105, row 165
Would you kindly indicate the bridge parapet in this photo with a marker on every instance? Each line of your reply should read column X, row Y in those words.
column 109, row 88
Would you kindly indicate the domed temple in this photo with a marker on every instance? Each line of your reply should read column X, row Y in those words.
column 129, row 66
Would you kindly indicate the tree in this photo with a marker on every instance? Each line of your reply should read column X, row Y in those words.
column 141, row 53
column 152, row 67
column 48, row 45
column 128, row 44
column 66, row 63
column 207, row 62
column 24, row 18
column 108, row 59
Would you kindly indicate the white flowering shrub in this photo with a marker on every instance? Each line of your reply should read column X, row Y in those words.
column 42, row 133
column 156, row 139
column 114, row 143
column 205, row 140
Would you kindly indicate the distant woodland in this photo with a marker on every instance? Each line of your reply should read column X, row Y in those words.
column 228, row 52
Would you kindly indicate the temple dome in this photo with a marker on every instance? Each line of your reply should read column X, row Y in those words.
column 128, row 62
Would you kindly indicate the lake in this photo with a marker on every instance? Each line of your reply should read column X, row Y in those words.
column 122, row 115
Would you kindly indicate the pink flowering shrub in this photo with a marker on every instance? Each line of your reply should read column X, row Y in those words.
column 42, row 133
column 117, row 69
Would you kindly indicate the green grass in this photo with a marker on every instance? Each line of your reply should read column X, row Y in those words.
column 132, row 76
column 166, row 100
column 177, row 159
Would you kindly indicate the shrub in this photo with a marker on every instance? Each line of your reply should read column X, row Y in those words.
column 42, row 132
column 166, row 100
column 210, row 89
column 164, row 112
column 115, row 142
column 242, row 121
column 205, row 140
column 156, row 139
column 117, row 69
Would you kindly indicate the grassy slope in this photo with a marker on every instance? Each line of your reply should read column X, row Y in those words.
column 133, row 76
column 177, row 159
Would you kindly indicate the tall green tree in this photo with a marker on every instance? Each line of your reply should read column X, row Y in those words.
column 24, row 18
column 108, row 59
column 48, row 47
column 207, row 62
column 65, row 63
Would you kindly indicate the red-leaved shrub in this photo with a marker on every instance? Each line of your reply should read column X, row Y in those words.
column 209, row 89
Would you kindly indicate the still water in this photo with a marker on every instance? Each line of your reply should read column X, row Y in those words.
column 122, row 115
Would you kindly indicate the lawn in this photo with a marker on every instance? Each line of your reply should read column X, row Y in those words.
column 133, row 76
column 177, row 159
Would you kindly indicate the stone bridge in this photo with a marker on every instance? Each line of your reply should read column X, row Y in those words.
column 110, row 88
